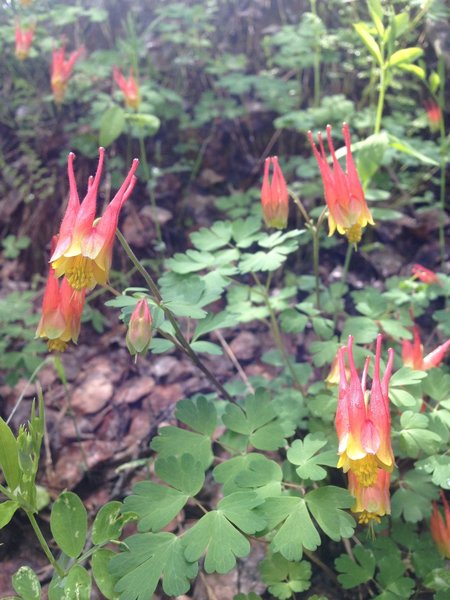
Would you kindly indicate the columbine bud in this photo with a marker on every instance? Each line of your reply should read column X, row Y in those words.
column 139, row 333
column 440, row 527
column 274, row 196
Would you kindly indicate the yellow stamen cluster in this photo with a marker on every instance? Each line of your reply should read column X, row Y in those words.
column 365, row 470
column 354, row 233
column 366, row 517
column 56, row 345
column 80, row 273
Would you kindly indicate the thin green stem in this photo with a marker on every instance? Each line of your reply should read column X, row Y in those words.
column 316, row 250
column 300, row 207
column 380, row 105
column 178, row 333
column 276, row 333
column 147, row 176
column 316, row 61
column 44, row 545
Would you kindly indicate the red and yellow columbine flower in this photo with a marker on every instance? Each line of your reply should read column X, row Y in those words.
column 434, row 115
column 274, row 195
column 24, row 39
column 364, row 427
column 423, row 274
column 139, row 333
column 129, row 88
column 84, row 249
column 371, row 502
column 440, row 527
column 61, row 71
column 62, row 308
column 412, row 353
column 347, row 207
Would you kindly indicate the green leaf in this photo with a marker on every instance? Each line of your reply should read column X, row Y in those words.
column 246, row 231
column 258, row 420
column 212, row 322
column 173, row 441
column 155, row 505
column 26, row 583
column 214, row 535
column 406, row 376
column 284, row 578
column 326, row 504
column 437, row 385
column 184, row 474
column 148, row 123
column 68, row 523
column 414, row 496
column 78, row 584
column 414, row 435
column 376, row 12
column 369, row 155
column 394, row 328
column 7, row 510
column 206, row 348
column 406, row 148
column 102, row 576
column 238, row 508
column 149, row 557
column 214, row 237
column 354, row 573
column 292, row 321
column 363, row 329
column 9, row 456
column 295, row 527
column 415, row 69
column 363, row 31
column 108, row 523
column 253, row 471
column 199, row 414
column 112, row 124
column 438, row 467
column 406, row 55
column 304, row 454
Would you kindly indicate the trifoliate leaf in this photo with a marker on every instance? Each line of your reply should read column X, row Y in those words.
column 212, row 238
column 324, row 352
column 184, row 473
column 354, row 573
column 326, row 504
column 246, row 231
column 149, row 557
column 284, row 578
column 238, row 508
column 363, row 329
column 155, row 505
column 173, row 441
column 258, row 420
column 212, row 322
column 414, row 435
column 292, row 321
column 214, row 535
column 250, row 471
column 304, row 454
column 296, row 529
column 438, row 467
column 414, row 496
column 199, row 414
column 437, row 385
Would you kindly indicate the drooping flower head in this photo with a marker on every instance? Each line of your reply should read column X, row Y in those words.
column 371, row 502
column 139, row 333
column 347, row 208
column 24, row 39
column 84, row 249
column 274, row 195
column 62, row 70
column 434, row 115
column 62, row 308
column 412, row 353
column 363, row 426
column 440, row 527
column 129, row 88
column 423, row 274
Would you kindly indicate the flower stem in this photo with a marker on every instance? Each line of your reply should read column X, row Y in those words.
column 178, row 333
column 147, row 176
column 44, row 545
column 380, row 105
